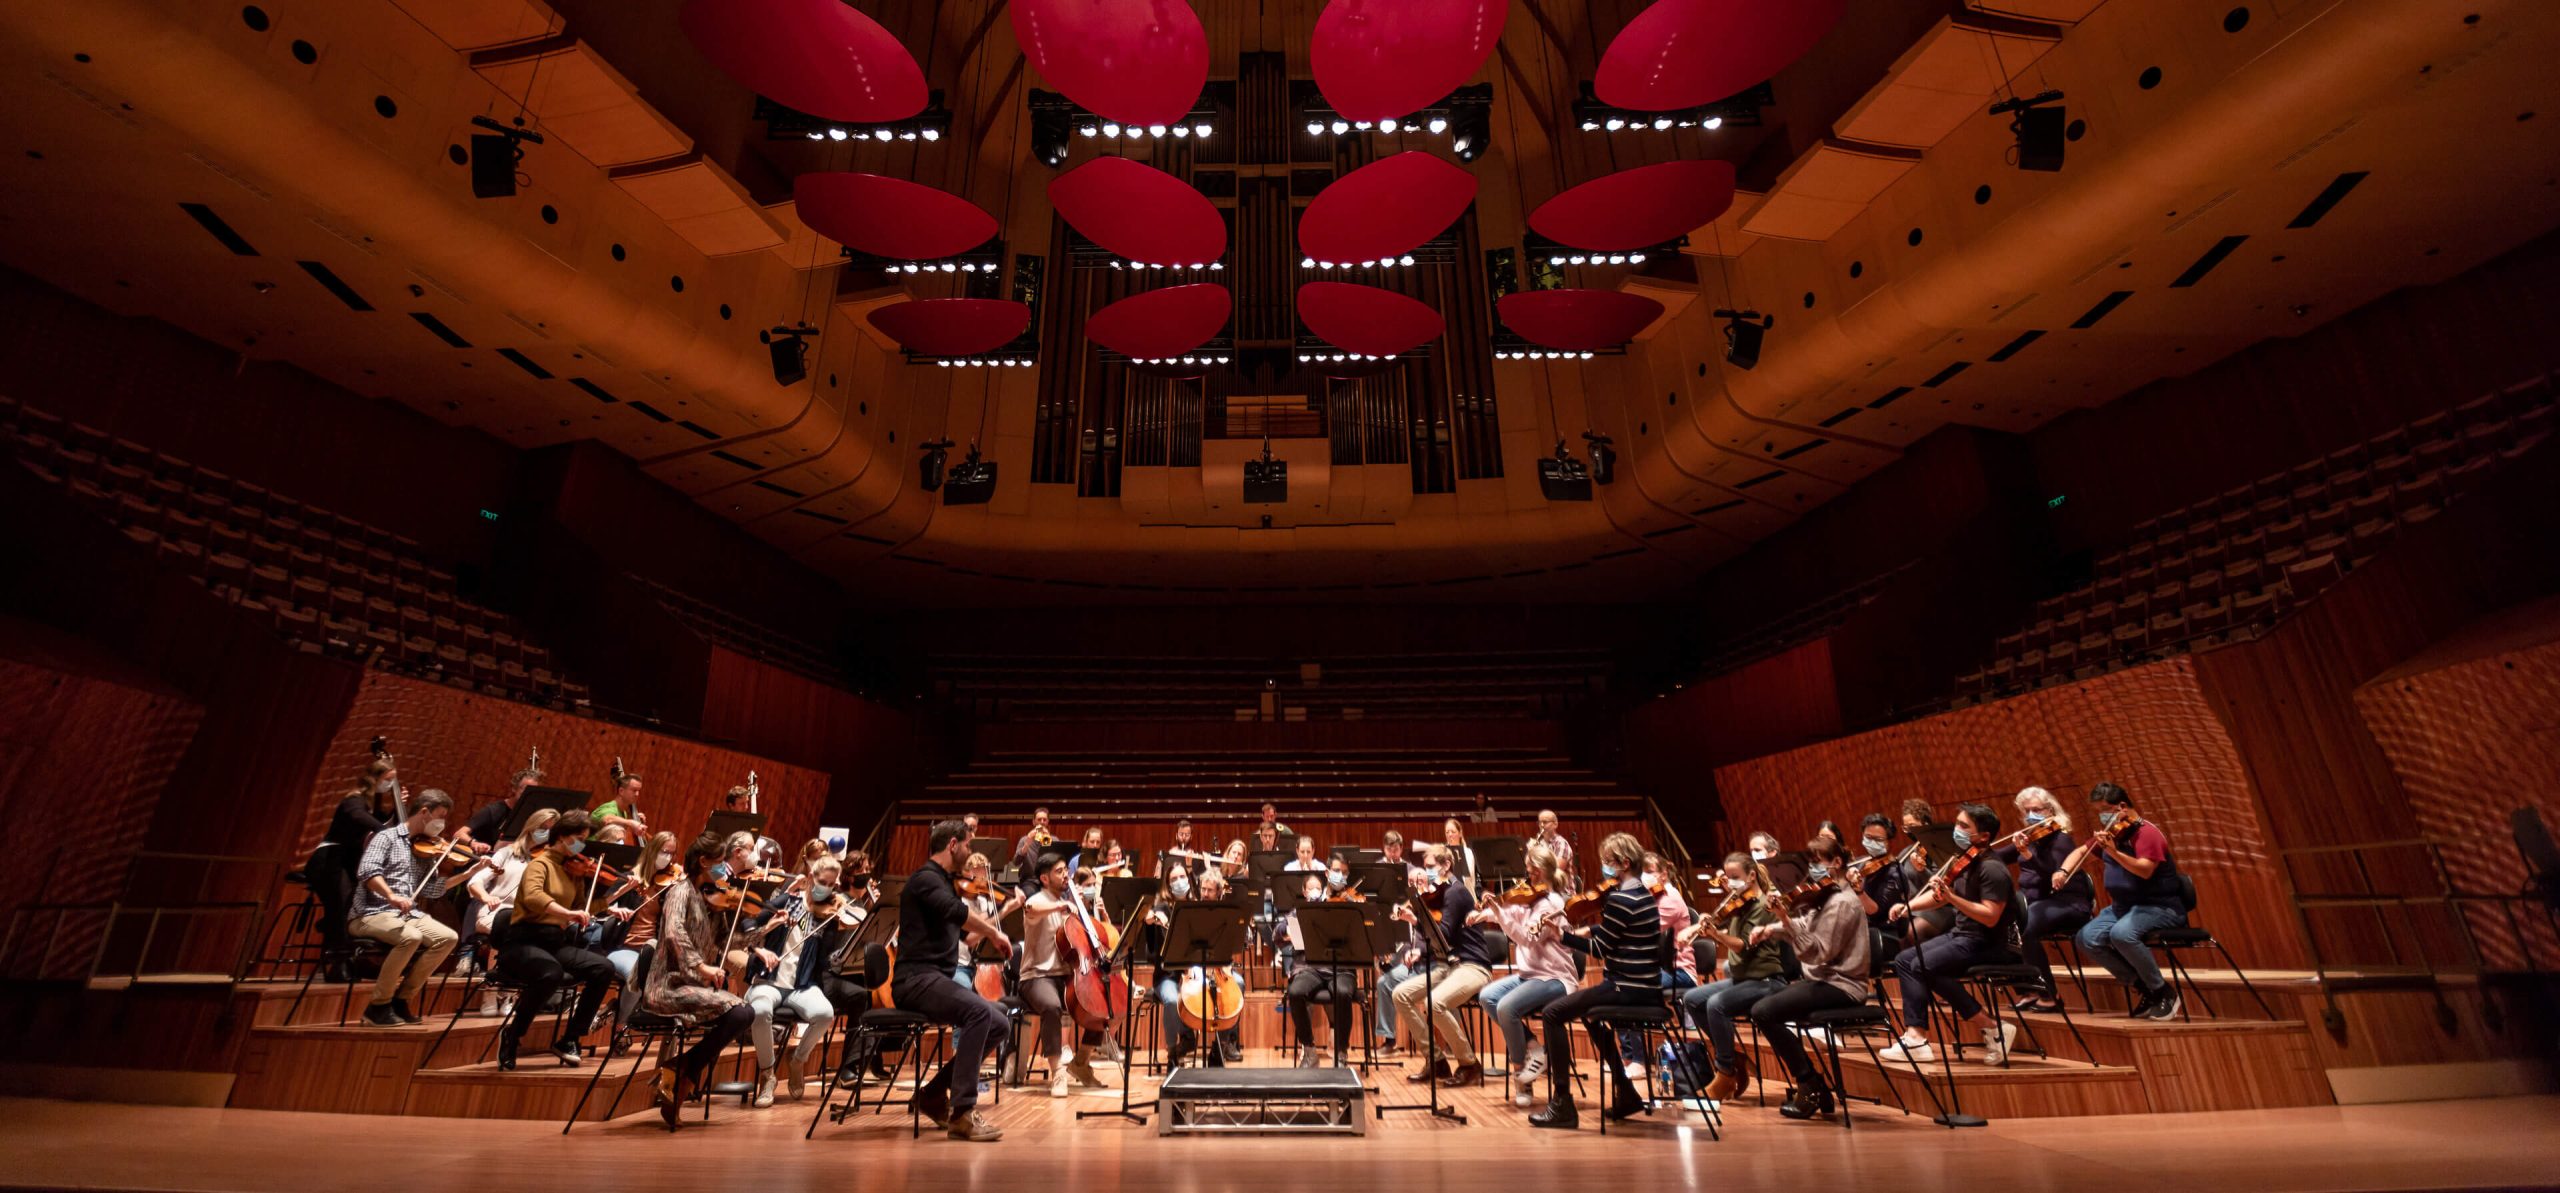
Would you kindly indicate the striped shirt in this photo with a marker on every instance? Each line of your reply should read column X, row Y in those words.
column 1628, row 941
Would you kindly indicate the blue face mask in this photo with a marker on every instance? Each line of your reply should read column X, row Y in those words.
column 2106, row 818
column 1875, row 848
column 1608, row 871
column 578, row 846
column 1337, row 879
column 1818, row 873
column 2035, row 818
column 719, row 869
column 821, row 892
column 1964, row 837
column 541, row 836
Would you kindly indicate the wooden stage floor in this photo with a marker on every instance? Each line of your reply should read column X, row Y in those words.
column 2509, row 1143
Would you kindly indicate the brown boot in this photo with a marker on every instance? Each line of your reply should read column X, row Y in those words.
column 1080, row 1067
column 967, row 1127
column 1724, row 1086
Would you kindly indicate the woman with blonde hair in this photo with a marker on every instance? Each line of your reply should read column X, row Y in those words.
column 2051, row 914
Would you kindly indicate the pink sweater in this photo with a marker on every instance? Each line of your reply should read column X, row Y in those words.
column 1539, row 955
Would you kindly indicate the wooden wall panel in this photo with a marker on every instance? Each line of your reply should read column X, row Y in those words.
column 2148, row 728
column 1210, row 737
column 83, row 760
column 868, row 749
column 1675, row 742
column 470, row 744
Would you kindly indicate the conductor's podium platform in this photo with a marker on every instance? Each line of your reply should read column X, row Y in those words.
column 1261, row 1100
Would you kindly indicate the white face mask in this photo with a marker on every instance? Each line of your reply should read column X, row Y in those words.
column 1759, row 855
column 385, row 786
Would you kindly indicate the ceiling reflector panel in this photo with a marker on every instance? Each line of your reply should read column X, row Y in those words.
column 1385, row 209
column 1140, row 212
column 890, row 217
column 952, row 326
column 1160, row 323
column 1638, row 208
column 1683, row 53
column 1366, row 319
column 819, row 56
column 1577, row 320
column 1139, row 62
column 1387, row 59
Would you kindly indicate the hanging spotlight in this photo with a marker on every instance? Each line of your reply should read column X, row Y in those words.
column 1111, row 129
column 495, row 155
column 1340, row 127
column 1438, row 125
column 1182, row 130
column 1387, row 125
column 833, row 134
column 2040, row 130
column 790, row 351
column 1315, row 128
column 1200, row 129
column 1743, row 332
column 1604, row 458
column 932, row 134
column 1087, row 130
column 1563, row 478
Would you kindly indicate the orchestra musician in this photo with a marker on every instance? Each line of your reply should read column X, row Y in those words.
column 2053, row 913
column 1306, row 859
column 541, row 951
column 1031, row 843
column 1453, row 981
column 1983, row 895
column 488, row 825
column 978, row 888
column 1309, row 979
column 1047, row 967
column 1753, row 970
column 1881, row 888
column 1628, row 944
column 1682, row 973
column 493, row 889
column 1551, row 835
column 1914, row 876
column 1462, row 856
column 1266, row 838
column 1167, row 864
column 1271, row 821
column 931, row 919
column 1398, row 967
column 1179, row 1037
column 781, row 980
column 1829, row 934
column 2144, row 895
column 688, row 976
column 365, row 810
column 1391, row 849
column 1541, row 967
column 659, row 869
column 392, row 883
column 618, row 818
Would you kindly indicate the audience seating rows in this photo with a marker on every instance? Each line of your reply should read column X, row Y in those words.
column 330, row 583
column 2230, row 566
column 748, row 637
column 1527, row 683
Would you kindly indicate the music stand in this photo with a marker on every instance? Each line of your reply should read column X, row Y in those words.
column 558, row 799
column 1500, row 858
column 1940, row 839
column 1268, row 862
column 1205, row 936
column 1123, row 901
column 722, row 824
column 1356, row 855
column 1435, row 949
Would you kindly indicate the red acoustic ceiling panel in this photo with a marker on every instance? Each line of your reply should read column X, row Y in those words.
column 1638, row 208
column 1386, row 59
column 819, row 56
column 1138, row 62
column 1683, row 53
column 1366, row 319
column 1139, row 212
column 890, row 217
column 952, row 326
column 1385, row 208
column 1577, row 320
column 1167, row 322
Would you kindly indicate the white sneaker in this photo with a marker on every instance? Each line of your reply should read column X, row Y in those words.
column 1058, row 1084
column 1815, row 1037
column 1534, row 1069
column 1524, row 1099
column 1635, row 1072
column 1917, row 1052
column 1997, row 1041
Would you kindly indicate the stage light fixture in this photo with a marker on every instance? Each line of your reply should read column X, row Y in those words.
column 2039, row 124
column 1604, row 458
column 1743, row 332
column 929, row 466
column 790, row 351
column 1266, row 480
column 1563, row 478
column 495, row 155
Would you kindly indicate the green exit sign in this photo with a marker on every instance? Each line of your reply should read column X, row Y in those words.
column 492, row 515
column 2051, row 503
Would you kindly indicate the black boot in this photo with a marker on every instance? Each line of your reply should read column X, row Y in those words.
column 1625, row 1102
column 1807, row 1103
column 507, row 1054
column 1559, row 1114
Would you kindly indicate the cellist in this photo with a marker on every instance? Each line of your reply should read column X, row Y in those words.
column 1047, row 968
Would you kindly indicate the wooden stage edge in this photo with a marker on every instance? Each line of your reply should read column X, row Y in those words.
column 2503, row 1143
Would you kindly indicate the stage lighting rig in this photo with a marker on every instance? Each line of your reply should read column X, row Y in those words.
column 495, row 155
column 1743, row 331
column 1604, row 458
column 2039, row 124
column 1563, row 478
column 929, row 465
column 790, row 349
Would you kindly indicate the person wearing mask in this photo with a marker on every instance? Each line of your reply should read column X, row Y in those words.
column 2144, row 895
column 493, row 889
column 1308, row 980
column 2053, row 913
column 392, row 883
column 1452, row 982
column 1542, row 970
column 1985, row 933
column 1682, row 973
column 1628, row 945
column 1829, row 934
column 540, row 950
column 1047, row 968
column 331, row 871
column 660, row 867
column 1180, row 1037
column 782, row 981
column 1753, row 970
column 688, row 976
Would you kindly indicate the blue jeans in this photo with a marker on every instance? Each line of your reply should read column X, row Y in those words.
column 1511, row 1001
column 2114, row 937
column 1717, row 1004
column 1631, row 1043
column 1390, row 977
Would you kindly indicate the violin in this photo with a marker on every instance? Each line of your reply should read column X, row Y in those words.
column 1524, row 893
column 2098, row 842
column 1736, row 901
column 1583, row 910
column 2029, row 835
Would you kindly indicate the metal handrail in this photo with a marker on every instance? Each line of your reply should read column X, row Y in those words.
column 114, row 911
column 2445, row 893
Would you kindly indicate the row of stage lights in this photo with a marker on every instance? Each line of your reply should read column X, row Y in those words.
column 1213, row 266
column 991, row 362
column 1543, row 355
column 1134, row 132
column 1177, row 360
column 1659, row 124
column 944, row 267
column 1405, row 261
column 1595, row 259
column 1336, row 358
column 1339, row 127
column 876, row 134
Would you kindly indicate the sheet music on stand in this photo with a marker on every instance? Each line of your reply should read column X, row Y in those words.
column 1500, row 860
column 558, row 799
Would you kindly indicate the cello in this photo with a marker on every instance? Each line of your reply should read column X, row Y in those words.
column 1096, row 996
